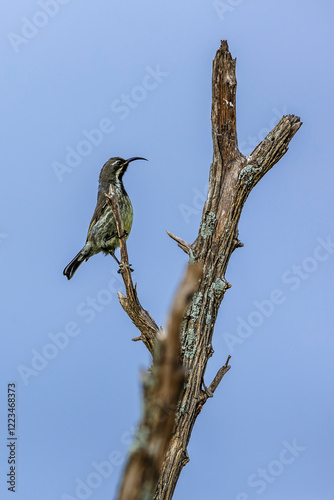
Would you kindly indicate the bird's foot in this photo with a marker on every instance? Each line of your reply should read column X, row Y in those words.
column 108, row 238
column 115, row 235
column 123, row 235
column 123, row 267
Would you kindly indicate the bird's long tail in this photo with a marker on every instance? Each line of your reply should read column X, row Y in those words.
column 74, row 264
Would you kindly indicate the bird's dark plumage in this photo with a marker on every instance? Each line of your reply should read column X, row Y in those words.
column 102, row 232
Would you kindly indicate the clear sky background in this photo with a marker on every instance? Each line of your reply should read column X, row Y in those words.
column 66, row 67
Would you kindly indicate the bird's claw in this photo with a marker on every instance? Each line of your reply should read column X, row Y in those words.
column 123, row 235
column 115, row 235
column 123, row 267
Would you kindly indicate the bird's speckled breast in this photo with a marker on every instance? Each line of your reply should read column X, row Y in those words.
column 106, row 226
column 126, row 209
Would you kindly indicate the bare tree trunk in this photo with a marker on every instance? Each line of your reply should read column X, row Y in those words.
column 232, row 177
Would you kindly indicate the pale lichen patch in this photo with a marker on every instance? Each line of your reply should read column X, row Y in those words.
column 196, row 305
column 247, row 173
column 217, row 288
column 208, row 225
column 190, row 347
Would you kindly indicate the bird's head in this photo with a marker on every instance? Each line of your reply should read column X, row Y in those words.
column 115, row 168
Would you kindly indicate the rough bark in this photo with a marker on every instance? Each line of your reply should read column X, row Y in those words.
column 232, row 177
column 162, row 390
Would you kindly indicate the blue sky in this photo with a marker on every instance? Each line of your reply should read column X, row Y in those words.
column 82, row 82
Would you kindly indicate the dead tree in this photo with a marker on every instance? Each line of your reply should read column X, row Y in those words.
column 174, row 389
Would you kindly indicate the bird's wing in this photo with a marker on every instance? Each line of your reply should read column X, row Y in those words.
column 101, row 206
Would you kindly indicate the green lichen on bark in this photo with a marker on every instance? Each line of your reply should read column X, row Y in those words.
column 189, row 347
column 208, row 225
column 196, row 305
column 180, row 411
column 217, row 288
column 247, row 173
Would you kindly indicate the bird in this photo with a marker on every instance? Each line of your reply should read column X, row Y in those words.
column 102, row 233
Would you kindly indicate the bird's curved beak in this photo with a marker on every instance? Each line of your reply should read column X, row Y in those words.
column 134, row 158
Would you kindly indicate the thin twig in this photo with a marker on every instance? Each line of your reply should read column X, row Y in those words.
column 184, row 245
column 130, row 303
column 220, row 374
column 209, row 391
